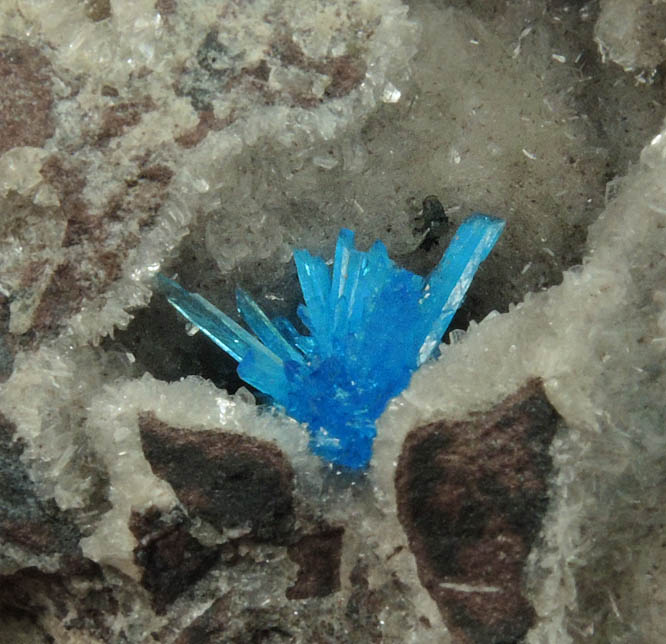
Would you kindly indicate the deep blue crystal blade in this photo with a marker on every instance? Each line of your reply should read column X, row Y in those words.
column 265, row 374
column 315, row 280
column 304, row 317
column 387, row 336
column 446, row 286
column 344, row 304
column 303, row 342
column 264, row 329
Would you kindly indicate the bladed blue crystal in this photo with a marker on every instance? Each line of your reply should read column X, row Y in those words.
column 264, row 329
column 371, row 324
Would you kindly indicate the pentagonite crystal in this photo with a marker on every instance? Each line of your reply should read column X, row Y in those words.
column 371, row 325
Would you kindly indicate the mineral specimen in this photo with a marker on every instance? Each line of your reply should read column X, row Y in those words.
column 371, row 326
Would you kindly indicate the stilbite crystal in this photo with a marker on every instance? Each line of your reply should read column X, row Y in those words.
column 371, row 324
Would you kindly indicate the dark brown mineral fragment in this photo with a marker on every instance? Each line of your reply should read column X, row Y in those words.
column 171, row 558
column 471, row 497
column 318, row 556
column 230, row 480
column 346, row 73
column 207, row 122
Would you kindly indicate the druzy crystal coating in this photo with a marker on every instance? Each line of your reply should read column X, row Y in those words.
column 370, row 325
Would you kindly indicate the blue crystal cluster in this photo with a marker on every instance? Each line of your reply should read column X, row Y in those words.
column 371, row 324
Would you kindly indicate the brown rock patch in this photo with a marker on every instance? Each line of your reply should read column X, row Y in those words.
column 26, row 98
column 75, row 600
column 471, row 497
column 116, row 119
column 318, row 556
column 230, row 480
column 172, row 559
column 288, row 52
column 346, row 74
column 109, row 91
column 31, row 273
column 207, row 123
column 95, row 243
column 166, row 7
column 158, row 172
column 7, row 342
column 62, row 296
column 219, row 72
column 68, row 182
column 261, row 71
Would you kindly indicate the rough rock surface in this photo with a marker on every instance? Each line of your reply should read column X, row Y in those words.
column 146, row 497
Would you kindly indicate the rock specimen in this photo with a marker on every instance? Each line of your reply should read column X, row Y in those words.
column 206, row 140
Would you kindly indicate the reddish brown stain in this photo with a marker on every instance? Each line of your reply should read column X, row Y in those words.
column 31, row 272
column 207, row 122
column 160, row 173
column 117, row 119
column 63, row 294
column 318, row 556
column 261, row 71
column 26, row 97
column 471, row 497
column 346, row 73
column 68, row 182
column 230, row 480
column 207, row 80
column 288, row 52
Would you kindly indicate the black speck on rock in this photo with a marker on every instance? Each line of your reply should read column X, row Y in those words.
column 435, row 222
